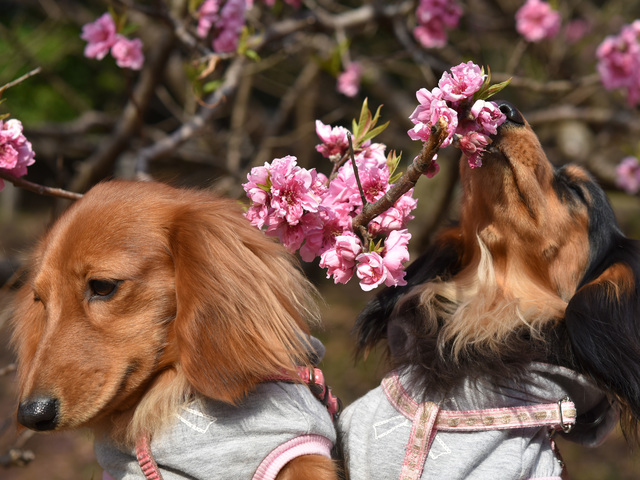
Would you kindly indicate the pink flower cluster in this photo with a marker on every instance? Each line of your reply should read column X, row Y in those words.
column 468, row 123
column 16, row 153
column 101, row 37
column 628, row 175
column 224, row 21
column 619, row 62
column 312, row 214
column 434, row 18
column 536, row 20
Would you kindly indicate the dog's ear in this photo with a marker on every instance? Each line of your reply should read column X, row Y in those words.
column 241, row 303
column 603, row 322
column 440, row 260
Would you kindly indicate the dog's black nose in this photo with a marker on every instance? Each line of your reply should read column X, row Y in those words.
column 39, row 413
column 512, row 113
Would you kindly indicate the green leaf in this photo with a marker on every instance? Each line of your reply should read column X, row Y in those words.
column 355, row 129
column 252, row 55
column 6, row 115
column 393, row 160
column 211, row 86
column 194, row 5
column 372, row 133
column 365, row 115
column 395, row 178
column 491, row 91
column 128, row 29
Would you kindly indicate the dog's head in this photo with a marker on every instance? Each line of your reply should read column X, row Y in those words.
column 537, row 269
column 141, row 288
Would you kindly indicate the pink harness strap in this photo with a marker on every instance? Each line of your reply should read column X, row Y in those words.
column 427, row 419
column 314, row 378
column 145, row 459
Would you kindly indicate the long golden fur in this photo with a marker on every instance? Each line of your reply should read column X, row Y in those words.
column 142, row 296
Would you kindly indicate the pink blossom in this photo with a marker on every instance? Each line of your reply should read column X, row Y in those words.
column 576, row 30
column 434, row 17
column 291, row 236
column 422, row 113
column 463, row 81
column 374, row 180
column 16, row 152
column 488, row 116
column 258, row 215
column 342, row 188
column 433, row 168
column 371, row 270
column 395, row 218
column 536, row 20
column 619, row 62
column 258, row 185
column 373, row 154
column 334, row 140
column 128, row 53
column 322, row 229
column 438, row 108
column 291, row 193
column 431, row 34
column 349, row 80
column 395, row 254
column 207, row 16
column 628, row 175
column 405, row 205
column 387, row 221
column 230, row 26
column 100, row 36
column 340, row 261
column 472, row 145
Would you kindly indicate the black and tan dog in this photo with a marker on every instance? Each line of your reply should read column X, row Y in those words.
column 519, row 322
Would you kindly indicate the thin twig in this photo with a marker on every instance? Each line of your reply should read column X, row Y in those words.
column 407, row 181
column 16, row 458
column 8, row 369
column 15, row 82
column 39, row 189
column 352, row 156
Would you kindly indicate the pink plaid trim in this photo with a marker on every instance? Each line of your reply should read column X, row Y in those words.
column 545, row 415
column 296, row 447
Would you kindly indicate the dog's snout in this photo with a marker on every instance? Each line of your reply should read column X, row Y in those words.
column 512, row 113
column 39, row 413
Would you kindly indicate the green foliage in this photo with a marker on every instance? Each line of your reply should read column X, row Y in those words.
column 487, row 90
column 365, row 129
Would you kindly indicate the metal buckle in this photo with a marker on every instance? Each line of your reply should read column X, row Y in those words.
column 566, row 427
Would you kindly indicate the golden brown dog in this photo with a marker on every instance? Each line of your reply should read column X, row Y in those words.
column 143, row 301
column 531, row 300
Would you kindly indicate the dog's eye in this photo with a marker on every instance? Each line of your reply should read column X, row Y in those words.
column 103, row 288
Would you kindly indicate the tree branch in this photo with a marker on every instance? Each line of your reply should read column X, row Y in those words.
column 39, row 189
column 16, row 458
column 420, row 165
column 21, row 79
